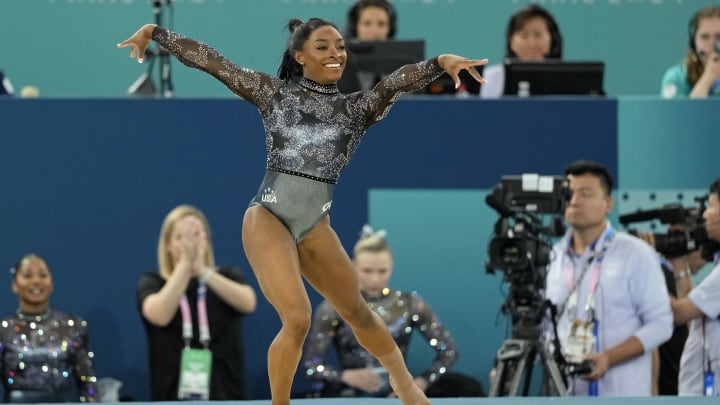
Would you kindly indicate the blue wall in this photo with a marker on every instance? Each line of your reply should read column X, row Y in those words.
column 67, row 47
column 87, row 182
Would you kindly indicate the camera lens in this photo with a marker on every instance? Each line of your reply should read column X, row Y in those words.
column 510, row 253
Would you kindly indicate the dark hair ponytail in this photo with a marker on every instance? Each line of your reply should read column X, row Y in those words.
column 299, row 33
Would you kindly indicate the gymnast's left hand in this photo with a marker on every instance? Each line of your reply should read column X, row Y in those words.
column 453, row 64
column 139, row 42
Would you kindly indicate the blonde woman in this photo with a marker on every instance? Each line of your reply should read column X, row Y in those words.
column 191, row 307
column 360, row 374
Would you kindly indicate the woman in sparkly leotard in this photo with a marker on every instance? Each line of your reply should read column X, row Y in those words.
column 359, row 373
column 44, row 353
column 311, row 133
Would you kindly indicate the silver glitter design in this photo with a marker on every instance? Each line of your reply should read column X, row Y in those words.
column 46, row 353
column 403, row 312
column 310, row 128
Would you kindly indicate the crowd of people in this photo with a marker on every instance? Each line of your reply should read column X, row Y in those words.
column 630, row 313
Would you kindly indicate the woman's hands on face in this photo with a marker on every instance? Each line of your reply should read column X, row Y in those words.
column 194, row 244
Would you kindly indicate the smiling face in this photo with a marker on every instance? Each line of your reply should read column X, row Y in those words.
column 323, row 55
column 33, row 285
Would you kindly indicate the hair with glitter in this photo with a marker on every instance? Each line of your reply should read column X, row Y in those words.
column 371, row 241
column 299, row 33
column 14, row 270
column 165, row 260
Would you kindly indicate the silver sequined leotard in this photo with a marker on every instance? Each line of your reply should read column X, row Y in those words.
column 403, row 312
column 46, row 358
column 311, row 130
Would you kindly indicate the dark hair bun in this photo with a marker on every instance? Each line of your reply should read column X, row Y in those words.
column 293, row 24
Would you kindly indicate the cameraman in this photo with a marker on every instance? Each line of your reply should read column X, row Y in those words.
column 701, row 307
column 678, row 271
column 613, row 306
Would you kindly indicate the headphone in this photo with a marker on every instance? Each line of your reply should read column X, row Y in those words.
column 692, row 29
column 354, row 16
column 706, row 12
column 535, row 11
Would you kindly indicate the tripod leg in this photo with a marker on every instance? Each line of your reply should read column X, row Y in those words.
column 498, row 381
column 520, row 372
column 556, row 379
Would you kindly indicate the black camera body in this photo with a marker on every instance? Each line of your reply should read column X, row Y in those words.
column 521, row 246
column 520, row 241
column 677, row 242
column 583, row 368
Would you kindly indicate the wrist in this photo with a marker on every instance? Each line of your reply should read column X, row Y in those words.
column 682, row 274
column 207, row 275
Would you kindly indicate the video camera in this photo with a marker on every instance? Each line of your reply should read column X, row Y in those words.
column 518, row 244
column 521, row 246
column 676, row 242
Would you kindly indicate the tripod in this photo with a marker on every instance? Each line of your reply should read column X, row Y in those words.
column 144, row 85
column 516, row 358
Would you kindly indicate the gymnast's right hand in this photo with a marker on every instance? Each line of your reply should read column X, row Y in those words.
column 139, row 41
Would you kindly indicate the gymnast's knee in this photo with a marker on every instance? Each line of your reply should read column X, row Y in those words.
column 296, row 323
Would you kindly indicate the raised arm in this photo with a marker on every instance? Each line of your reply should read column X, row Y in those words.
column 411, row 78
column 247, row 83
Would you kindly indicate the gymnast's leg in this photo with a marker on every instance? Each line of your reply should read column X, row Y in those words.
column 326, row 265
column 272, row 253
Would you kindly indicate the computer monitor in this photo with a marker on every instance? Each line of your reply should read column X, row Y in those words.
column 370, row 61
column 445, row 84
column 554, row 77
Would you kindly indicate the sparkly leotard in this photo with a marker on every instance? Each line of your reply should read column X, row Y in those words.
column 311, row 130
column 42, row 358
column 403, row 312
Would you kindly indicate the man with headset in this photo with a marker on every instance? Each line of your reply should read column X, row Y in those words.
column 700, row 362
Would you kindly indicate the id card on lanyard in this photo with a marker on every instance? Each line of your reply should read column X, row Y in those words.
column 583, row 337
column 195, row 364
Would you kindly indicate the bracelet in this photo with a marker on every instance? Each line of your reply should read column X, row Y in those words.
column 205, row 277
column 682, row 274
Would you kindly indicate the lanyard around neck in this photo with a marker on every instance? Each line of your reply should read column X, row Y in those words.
column 203, row 326
column 596, row 258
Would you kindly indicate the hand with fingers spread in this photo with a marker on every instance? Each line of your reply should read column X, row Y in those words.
column 453, row 64
column 139, row 42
